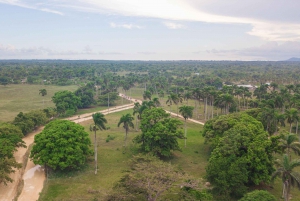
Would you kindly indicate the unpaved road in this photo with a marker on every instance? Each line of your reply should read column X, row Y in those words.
column 7, row 193
column 34, row 175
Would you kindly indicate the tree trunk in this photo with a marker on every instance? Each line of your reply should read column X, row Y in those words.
column 125, row 139
column 96, row 161
column 290, row 127
column 136, row 122
column 185, row 133
column 297, row 128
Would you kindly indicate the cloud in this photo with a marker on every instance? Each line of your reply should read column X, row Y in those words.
column 126, row 26
column 30, row 5
column 267, row 51
column 281, row 23
column 172, row 25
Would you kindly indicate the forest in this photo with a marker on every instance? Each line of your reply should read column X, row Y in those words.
column 243, row 143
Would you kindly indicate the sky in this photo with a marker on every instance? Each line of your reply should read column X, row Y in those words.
column 150, row 29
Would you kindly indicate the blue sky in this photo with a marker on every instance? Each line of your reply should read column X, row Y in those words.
column 150, row 29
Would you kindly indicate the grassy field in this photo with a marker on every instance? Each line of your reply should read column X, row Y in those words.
column 113, row 160
column 24, row 98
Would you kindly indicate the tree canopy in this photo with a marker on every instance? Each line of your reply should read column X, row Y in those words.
column 159, row 132
column 10, row 138
column 242, row 155
column 61, row 145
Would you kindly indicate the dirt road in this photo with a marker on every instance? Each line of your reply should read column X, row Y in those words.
column 7, row 193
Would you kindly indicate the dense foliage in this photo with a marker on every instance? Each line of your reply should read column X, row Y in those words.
column 10, row 138
column 159, row 132
column 241, row 156
column 61, row 145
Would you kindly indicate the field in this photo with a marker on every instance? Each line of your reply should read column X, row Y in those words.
column 24, row 98
column 113, row 160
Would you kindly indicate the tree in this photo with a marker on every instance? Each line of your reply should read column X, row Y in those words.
column 66, row 101
column 99, row 123
column 149, row 179
column 159, row 132
column 285, row 170
column 136, row 109
column 156, row 102
column 258, row 195
column 86, row 95
column 62, row 145
column 147, row 95
column 291, row 116
column 10, row 138
column 186, row 112
column 4, row 80
column 43, row 92
column 289, row 142
column 242, row 155
column 126, row 120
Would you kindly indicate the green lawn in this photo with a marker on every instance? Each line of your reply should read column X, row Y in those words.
column 17, row 98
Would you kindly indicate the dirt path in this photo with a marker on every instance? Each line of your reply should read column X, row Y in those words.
column 8, row 192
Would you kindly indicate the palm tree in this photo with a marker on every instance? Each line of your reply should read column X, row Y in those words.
column 43, row 92
column 186, row 112
column 136, row 109
column 177, row 100
column 147, row 95
column 288, row 176
column 170, row 100
column 156, row 102
column 99, row 123
column 289, row 142
column 126, row 120
column 291, row 116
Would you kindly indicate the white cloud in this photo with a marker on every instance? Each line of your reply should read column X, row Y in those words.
column 30, row 5
column 279, row 23
column 126, row 26
column 173, row 25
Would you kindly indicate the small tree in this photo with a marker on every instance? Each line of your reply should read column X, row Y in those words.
column 61, row 145
column 99, row 123
column 126, row 120
column 186, row 112
column 43, row 92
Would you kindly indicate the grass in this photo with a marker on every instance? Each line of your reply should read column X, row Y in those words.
column 113, row 161
column 17, row 98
